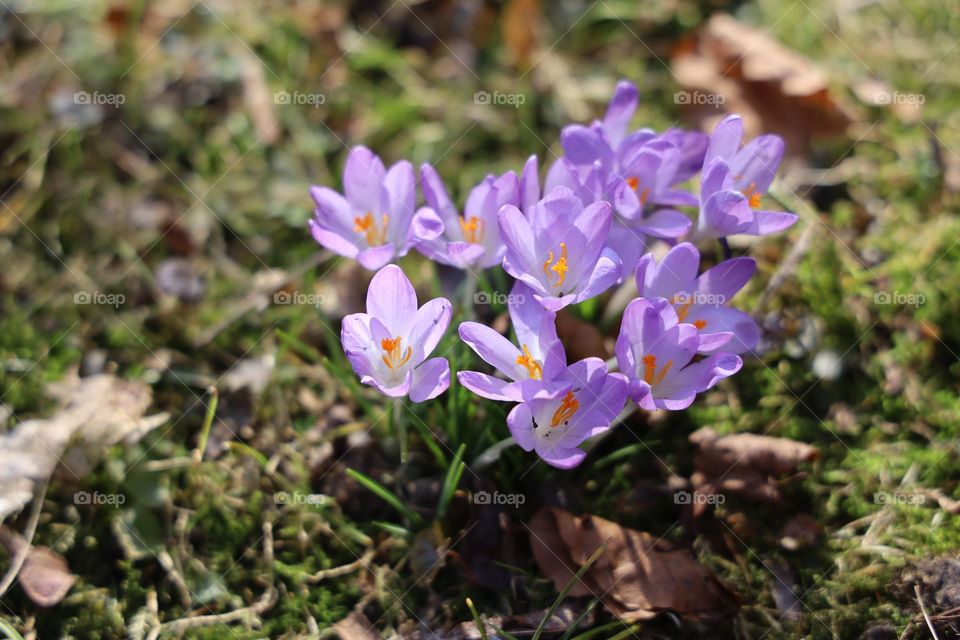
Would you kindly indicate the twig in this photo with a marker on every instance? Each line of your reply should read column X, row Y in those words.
column 266, row 601
column 29, row 531
column 786, row 268
column 923, row 610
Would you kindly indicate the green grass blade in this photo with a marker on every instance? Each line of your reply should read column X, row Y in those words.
column 452, row 481
column 387, row 496
column 566, row 589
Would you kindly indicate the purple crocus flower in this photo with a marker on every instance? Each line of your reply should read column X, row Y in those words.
column 470, row 241
column 375, row 223
column 656, row 353
column 538, row 360
column 554, row 422
column 734, row 181
column 631, row 227
column 389, row 344
column 557, row 248
column 701, row 299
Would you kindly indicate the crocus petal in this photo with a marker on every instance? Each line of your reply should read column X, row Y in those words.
column 529, row 184
column 493, row 349
column 436, row 196
column 464, row 254
column 520, row 423
column 429, row 380
column 710, row 342
column 724, row 280
column 725, row 140
column 332, row 240
column 767, row 222
column 665, row 223
column 362, row 177
column 676, row 198
column 726, row 213
column 619, row 112
column 429, row 325
column 332, row 210
column 392, row 300
column 676, row 273
column 582, row 146
column 376, row 257
column 558, row 456
column 744, row 328
column 396, row 391
column 398, row 197
column 518, row 237
column 427, row 225
column 604, row 275
column 756, row 164
column 485, row 386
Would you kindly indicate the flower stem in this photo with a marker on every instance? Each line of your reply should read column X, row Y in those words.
column 727, row 254
column 469, row 294
column 400, row 426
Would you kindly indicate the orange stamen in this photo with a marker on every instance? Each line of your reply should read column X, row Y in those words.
column 686, row 301
column 650, row 375
column 534, row 368
column 472, row 229
column 568, row 407
column 633, row 182
column 391, row 353
column 367, row 225
column 699, row 324
column 753, row 196
column 559, row 267
column 644, row 195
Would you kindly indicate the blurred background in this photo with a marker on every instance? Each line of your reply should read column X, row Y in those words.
column 155, row 159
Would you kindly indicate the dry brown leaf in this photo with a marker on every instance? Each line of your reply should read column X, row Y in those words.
column 745, row 463
column 775, row 89
column 93, row 413
column 44, row 576
column 581, row 339
column 637, row 577
column 520, row 20
column 356, row 626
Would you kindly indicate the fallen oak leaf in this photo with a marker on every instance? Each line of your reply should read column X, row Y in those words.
column 94, row 413
column 745, row 463
column 44, row 576
column 637, row 577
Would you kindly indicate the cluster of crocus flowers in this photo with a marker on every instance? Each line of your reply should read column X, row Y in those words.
column 603, row 206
